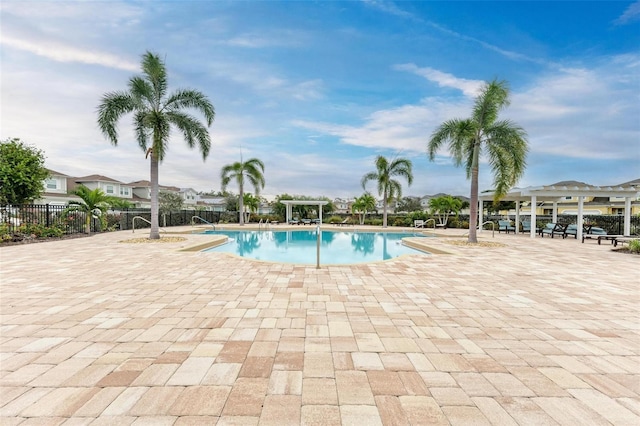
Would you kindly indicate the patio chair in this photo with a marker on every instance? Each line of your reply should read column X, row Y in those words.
column 294, row 222
column 418, row 223
column 595, row 233
column 553, row 229
column 525, row 226
column 571, row 230
column 347, row 221
column 505, row 225
column 306, row 221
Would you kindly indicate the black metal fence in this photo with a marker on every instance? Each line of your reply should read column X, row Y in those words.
column 124, row 219
column 31, row 218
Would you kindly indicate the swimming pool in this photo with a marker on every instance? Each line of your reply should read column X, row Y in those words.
column 336, row 247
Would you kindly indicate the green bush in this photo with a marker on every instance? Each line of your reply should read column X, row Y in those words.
column 401, row 221
column 634, row 246
column 374, row 222
column 335, row 219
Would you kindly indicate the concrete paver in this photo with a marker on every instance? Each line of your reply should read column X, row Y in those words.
column 534, row 331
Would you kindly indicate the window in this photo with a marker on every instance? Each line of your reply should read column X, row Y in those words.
column 568, row 198
column 52, row 184
column 109, row 189
column 124, row 191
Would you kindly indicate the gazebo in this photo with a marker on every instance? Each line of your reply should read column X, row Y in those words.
column 554, row 192
column 290, row 203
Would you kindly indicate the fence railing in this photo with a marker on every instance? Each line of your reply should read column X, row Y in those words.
column 24, row 218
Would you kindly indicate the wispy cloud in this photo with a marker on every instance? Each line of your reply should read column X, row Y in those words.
column 62, row 53
column 470, row 88
column 631, row 14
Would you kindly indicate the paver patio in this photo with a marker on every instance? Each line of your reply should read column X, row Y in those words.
column 94, row 331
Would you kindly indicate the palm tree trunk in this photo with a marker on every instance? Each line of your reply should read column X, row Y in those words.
column 384, row 211
column 473, row 207
column 154, row 234
column 241, row 205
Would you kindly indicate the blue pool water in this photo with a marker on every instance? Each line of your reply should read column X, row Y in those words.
column 336, row 247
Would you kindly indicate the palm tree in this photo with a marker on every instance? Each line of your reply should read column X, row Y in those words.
column 251, row 203
column 504, row 141
column 388, row 187
column 252, row 170
column 154, row 114
column 94, row 204
column 362, row 205
column 444, row 206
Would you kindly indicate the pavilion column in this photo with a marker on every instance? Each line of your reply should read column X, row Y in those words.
column 555, row 212
column 580, row 218
column 320, row 212
column 517, row 224
column 480, row 215
column 534, row 201
column 288, row 213
column 627, row 216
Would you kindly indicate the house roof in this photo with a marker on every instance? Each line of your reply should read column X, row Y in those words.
column 53, row 172
column 95, row 178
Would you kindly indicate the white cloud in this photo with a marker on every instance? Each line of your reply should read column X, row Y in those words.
column 470, row 88
column 631, row 14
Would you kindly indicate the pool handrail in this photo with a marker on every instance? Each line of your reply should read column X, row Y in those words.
column 493, row 228
column 265, row 223
column 133, row 223
column 203, row 220
column 431, row 220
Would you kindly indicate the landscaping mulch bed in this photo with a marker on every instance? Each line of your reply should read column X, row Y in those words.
column 32, row 240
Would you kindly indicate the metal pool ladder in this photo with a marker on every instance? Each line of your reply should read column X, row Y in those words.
column 133, row 223
column 208, row 223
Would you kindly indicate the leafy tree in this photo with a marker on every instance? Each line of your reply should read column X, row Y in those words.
column 169, row 201
column 444, row 206
column 503, row 141
column 363, row 204
column 251, row 170
column 389, row 188
column 22, row 172
column 94, row 204
column 231, row 202
column 409, row 204
column 154, row 114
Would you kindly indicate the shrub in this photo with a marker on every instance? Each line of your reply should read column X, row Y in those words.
column 634, row 246
column 335, row 219
column 401, row 221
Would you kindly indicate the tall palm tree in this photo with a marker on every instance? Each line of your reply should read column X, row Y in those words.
column 252, row 170
column 94, row 204
column 504, row 142
column 154, row 114
column 251, row 203
column 388, row 187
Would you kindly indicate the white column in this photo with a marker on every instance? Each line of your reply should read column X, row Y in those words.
column 627, row 216
column 555, row 212
column 517, row 224
column 533, row 216
column 580, row 217
column 480, row 215
column 320, row 212
column 288, row 213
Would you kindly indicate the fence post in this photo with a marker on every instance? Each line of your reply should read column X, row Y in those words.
column 47, row 212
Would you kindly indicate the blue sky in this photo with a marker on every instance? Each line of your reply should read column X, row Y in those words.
column 318, row 89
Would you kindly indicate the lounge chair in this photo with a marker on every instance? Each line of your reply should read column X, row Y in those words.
column 505, row 225
column 347, row 221
column 294, row 222
column 306, row 221
column 571, row 230
column 553, row 229
column 526, row 227
column 595, row 233
column 418, row 223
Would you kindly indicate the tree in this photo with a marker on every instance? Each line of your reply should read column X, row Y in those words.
column 252, row 170
column 388, row 187
column 409, row 204
column 154, row 114
column 363, row 204
column 22, row 172
column 94, row 204
column 169, row 201
column 445, row 206
column 503, row 141
column 252, row 203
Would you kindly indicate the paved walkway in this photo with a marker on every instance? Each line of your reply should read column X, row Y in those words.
column 94, row 331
